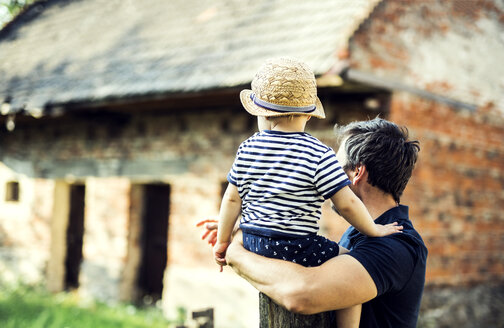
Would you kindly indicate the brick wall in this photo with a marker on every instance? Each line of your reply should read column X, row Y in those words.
column 457, row 202
column 457, row 189
column 450, row 48
column 24, row 228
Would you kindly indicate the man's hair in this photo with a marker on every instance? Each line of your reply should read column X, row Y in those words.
column 384, row 148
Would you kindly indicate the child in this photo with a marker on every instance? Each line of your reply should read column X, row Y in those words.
column 282, row 175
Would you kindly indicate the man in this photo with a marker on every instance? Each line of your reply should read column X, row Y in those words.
column 386, row 274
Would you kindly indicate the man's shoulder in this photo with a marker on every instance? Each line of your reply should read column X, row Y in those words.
column 398, row 248
column 409, row 239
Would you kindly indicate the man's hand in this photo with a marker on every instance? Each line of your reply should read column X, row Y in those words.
column 210, row 230
column 210, row 234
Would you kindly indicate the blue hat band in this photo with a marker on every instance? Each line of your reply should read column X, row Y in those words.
column 281, row 108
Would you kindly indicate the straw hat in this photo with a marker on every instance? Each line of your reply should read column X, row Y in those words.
column 283, row 86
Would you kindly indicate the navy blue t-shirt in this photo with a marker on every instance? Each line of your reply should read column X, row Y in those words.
column 396, row 263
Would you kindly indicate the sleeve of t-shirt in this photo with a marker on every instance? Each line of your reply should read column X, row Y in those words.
column 234, row 173
column 330, row 177
column 388, row 260
column 232, row 176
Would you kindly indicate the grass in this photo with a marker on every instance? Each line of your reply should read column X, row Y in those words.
column 31, row 307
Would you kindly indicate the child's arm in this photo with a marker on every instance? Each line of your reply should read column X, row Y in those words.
column 229, row 212
column 349, row 317
column 351, row 208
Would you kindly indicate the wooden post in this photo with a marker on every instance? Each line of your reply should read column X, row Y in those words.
column 58, row 248
column 207, row 316
column 273, row 315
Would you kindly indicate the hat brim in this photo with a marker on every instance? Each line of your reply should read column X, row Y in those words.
column 255, row 110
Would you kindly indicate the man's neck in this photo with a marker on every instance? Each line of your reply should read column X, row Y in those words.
column 378, row 202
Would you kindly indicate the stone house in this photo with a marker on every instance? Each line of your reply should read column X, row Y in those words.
column 119, row 123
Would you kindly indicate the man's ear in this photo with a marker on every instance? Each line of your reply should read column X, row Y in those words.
column 360, row 173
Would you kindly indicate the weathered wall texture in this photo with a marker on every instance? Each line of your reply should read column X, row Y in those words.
column 457, row 190
column 105, row 236
column 24, row 228
column 189, row 152
column 457, row 202
column 452, row 48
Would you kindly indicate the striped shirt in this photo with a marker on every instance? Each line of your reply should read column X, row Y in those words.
column 283, row 178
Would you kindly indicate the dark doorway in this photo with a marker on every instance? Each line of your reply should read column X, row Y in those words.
column 74, row 236
column 154, row 241
column 12, row 191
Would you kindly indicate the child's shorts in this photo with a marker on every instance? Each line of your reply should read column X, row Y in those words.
column 308, row 251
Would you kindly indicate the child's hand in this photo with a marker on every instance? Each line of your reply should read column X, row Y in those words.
column 388, row 229
column 220, row 253
column 211, row 230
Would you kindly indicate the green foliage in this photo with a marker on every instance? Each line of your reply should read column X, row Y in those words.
column 11, row 8
column 14, row 6
column 31, row 307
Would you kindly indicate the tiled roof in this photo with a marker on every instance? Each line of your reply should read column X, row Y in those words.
column 62, row 51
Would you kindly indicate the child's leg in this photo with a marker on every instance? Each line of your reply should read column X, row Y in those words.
column 349, row 317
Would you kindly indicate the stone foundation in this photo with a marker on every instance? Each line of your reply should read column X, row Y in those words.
column 463, row 307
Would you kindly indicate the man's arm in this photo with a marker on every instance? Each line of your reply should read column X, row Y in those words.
column 338, row 283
